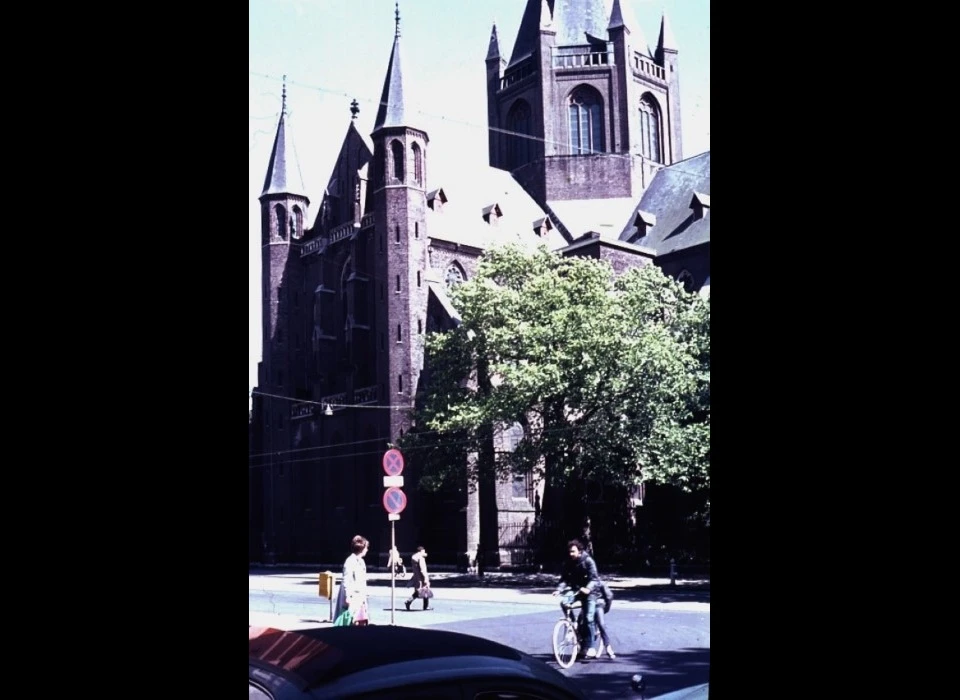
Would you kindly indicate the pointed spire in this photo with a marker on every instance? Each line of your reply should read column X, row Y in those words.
column 283, row 171
column 616, row 16
column 667, row 41
column 494, row 50
column 391, row 110
column 528, row 36
column 546, row 19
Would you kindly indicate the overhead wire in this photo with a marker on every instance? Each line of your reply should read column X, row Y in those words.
column 474, row 125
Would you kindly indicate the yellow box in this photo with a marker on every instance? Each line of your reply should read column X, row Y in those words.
column 326, row 584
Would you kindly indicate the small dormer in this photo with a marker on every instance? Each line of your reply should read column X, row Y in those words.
column 700, row 203
column 644, row 221
column 542, row 227
column 436, row 199
column 492, row 214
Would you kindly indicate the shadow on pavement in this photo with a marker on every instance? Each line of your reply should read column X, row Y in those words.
column 663, row 671
column 686, row 591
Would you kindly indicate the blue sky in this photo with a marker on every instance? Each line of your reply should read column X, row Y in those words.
column 334, row 51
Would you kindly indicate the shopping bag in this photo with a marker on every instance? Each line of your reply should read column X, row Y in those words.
column 425, row 591
column 344, row 619
column 362, row 615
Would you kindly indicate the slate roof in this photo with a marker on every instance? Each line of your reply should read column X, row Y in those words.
column 283, row 170
column 574, row 19
column 473, row 191
column 668, row 198
column 605, row 216
column 391, row 110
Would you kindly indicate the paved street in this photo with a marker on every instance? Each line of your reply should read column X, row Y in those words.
column 659, row 630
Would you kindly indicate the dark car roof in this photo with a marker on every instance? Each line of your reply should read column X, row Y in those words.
column 312, row 657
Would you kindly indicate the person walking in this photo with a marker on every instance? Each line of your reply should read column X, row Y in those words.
column 420, row 579
column 353, row 588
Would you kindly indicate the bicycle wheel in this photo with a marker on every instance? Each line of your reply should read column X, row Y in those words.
column 566, row 646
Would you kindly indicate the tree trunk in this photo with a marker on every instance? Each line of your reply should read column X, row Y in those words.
column 489, row 513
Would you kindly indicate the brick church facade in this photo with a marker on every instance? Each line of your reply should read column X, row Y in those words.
column 584, row 155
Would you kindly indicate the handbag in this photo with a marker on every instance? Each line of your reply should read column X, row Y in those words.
column 344, row 619
column 362, row 616
column 425, row 591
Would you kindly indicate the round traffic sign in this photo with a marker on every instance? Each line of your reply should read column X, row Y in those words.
column 393, row 462
column 394, row 500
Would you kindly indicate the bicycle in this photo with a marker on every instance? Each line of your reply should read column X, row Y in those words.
column 570, row 632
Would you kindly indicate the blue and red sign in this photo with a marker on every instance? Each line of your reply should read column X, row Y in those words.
column 393, row 463
column 394, row 500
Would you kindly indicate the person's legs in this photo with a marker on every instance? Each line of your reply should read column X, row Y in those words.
column 590, row 606
column 605, row 638
column 408, row 601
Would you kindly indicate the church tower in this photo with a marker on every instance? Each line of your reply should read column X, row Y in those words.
column 398, row 187
column 283, row 208
column 584, row 108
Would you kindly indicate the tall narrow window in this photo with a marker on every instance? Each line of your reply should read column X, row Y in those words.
column 396, row 232
column 296, row 226
column 399, row 335
column 281, row 220
column 420, row 326
column 418, row 278
column 416, row 229
column 586, row 122
column 400, row 383
column 397, row 149
column 398, row 283
column 417, row 164
column 650, row 130
column 519, row 145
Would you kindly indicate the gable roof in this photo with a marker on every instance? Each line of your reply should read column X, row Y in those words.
column 605, row 216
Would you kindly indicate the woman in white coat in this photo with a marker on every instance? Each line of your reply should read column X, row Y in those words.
column 353, row 588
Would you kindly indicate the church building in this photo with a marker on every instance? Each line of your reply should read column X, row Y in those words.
column 585, row 156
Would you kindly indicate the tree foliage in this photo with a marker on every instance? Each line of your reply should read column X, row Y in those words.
column 609, row 376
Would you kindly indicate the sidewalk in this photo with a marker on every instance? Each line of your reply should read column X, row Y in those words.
column 637, row 593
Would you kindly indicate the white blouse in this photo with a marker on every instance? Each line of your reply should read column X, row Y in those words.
column 355, row 576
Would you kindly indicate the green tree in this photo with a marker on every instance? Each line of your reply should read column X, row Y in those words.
column 608, row 376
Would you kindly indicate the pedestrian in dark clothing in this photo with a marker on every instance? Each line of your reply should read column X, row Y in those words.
column 420, row 579
column 579, row 573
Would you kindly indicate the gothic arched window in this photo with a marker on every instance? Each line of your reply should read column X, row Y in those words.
column 685, row 279
column 397, row 149
column 650, row 129
column 417, row 164
column 454, row 276
column 281, row 220
column 519, row 148
column 296, row 225
column 586, row 121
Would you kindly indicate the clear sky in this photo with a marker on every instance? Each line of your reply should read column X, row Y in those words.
column 334, row 51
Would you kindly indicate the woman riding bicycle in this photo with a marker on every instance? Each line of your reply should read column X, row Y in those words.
column 579, row 573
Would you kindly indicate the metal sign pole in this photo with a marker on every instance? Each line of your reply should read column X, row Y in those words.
column 393, row 568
